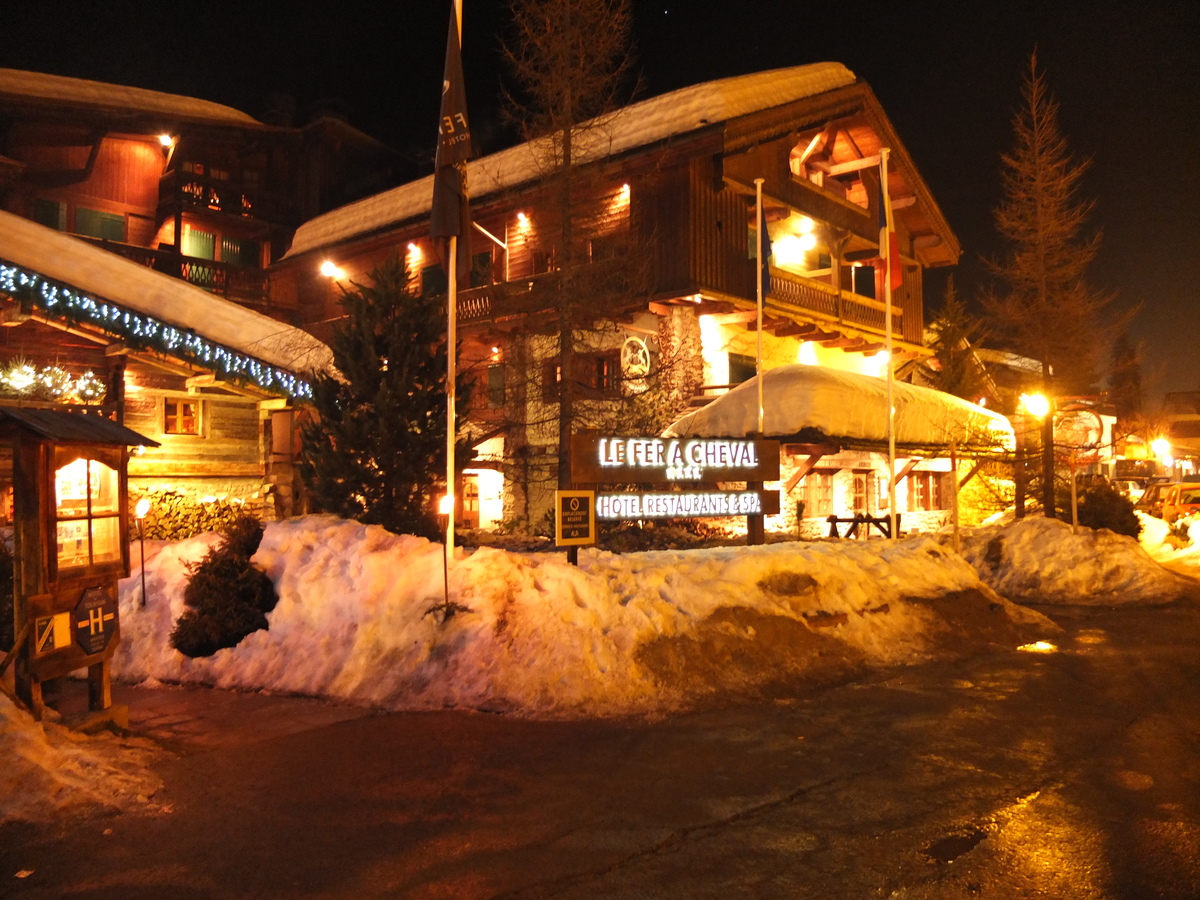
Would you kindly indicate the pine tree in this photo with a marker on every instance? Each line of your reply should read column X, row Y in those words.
column 376, row 449
column 1045, row 308
column 956, row 333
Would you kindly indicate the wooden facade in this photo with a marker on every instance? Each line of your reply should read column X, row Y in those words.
column 683, row 241
column 196, row 192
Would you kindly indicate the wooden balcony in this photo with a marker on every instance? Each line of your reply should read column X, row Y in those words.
column 238, row 283
column 179, row 190
column 795, row 293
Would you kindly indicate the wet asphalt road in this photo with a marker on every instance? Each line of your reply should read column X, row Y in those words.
column 1073, row 774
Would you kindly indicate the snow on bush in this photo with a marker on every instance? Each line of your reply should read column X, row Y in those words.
column 618, row 634
column 1040, row 560
column 47, row 768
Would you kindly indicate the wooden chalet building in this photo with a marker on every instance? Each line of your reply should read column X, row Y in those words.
column 164, row 212
column 667, row 189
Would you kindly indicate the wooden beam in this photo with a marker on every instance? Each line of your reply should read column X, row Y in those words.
column 971, row 474
column 803, row 469
column 119, row 349
column 854, row 165
column 906, row 469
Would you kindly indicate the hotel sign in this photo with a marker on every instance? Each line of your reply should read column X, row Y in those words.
column 597, row 458
column 686, row 504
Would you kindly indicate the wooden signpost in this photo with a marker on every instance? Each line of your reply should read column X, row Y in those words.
column 71, row 536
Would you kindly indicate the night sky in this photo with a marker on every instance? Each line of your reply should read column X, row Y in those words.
column 948, row 75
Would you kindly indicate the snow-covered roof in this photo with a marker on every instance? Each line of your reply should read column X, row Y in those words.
column 21, row 85
column 636, row 125
column 71, row 262
column 848, row 406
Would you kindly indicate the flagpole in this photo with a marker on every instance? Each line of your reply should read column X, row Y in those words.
column 885, row 240
column 758, row 363
column 451, row 375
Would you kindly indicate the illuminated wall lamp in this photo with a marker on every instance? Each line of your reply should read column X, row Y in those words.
column 330, row 269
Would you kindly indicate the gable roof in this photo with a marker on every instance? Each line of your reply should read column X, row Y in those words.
column 18, row 87
column 637, row 125
column 84, row 279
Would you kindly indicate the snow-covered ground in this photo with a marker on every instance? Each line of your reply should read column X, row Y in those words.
column 633, row 634
column 47, row 768
column 639, row 633
column 1040, row 560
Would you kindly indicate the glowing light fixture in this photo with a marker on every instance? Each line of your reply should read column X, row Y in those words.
column 805, row 226
column 1035, row 405
column 330, row 269
column 1160, row 447
column 166, row 140
column 143, row 507
column 446, row 505
column 1038, row 647
column 522, row 220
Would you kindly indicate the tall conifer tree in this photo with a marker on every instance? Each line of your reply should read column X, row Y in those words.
column 1045, row 308
column 376, row 449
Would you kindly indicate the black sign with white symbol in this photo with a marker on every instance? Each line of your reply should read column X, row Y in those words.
column 95, row 620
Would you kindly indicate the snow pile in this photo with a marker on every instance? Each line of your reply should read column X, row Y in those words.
column 1040, row 560
column 636, row 633
column 845, row 405
column 1175, row 553
column 47, row 768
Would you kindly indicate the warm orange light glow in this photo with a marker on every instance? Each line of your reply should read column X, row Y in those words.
column 1035, row 405
column 1038, row 647
column 446, row 505
column 330, row 270
column 414, row 249
column 166, row 140
column 1160, row 447
column 522, row 220
column 143, row 507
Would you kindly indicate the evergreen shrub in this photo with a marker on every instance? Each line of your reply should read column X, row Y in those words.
column 1100, row 506
column 227, row 598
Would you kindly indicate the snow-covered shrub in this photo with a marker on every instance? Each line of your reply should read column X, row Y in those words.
column 227, row 598
column 1100, row 506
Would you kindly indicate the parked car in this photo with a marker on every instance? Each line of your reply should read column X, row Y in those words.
column 1129, row 488
column 1181, row 499
column 1151, row 501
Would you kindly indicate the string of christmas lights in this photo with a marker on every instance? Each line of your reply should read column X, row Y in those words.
column 146, row 332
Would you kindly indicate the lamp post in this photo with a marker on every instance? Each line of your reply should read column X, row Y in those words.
column 1040, row 407
column 445, row 508
column 143, row 507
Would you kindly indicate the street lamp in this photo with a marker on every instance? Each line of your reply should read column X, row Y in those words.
column 143, row 507
column 445, row 508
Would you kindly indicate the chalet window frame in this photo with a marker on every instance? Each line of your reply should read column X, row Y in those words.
column 925, row 491
column 819, row 493
column 199, row 417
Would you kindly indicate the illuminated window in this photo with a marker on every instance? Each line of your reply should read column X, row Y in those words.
column 87, row 511
column 924, row 491
column 181, row 416
column 199, row 244
column 818, row 493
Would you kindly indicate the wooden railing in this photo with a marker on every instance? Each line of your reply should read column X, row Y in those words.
column 245, row 285
column 187, row 190
column 806, row 295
